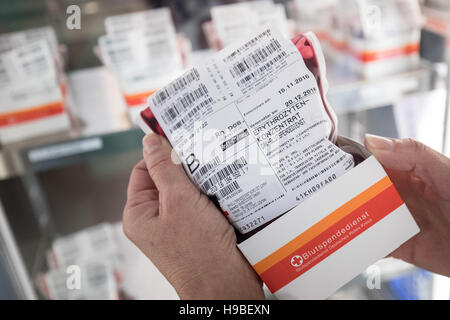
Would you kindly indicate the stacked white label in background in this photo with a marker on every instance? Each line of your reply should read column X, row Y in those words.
column 84, row 265
column 32, row 85
column 144, row 52
column 376, row 37
column 235, row 22
column 312, row 16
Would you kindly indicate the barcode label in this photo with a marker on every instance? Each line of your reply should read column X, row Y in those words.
column 207, row 167
column 176, row 86
column 254, row 59
column 191, row 114
column 257, row 72
column 181, row 106
column 223, row 173
column 229, row 189
column 248, row 44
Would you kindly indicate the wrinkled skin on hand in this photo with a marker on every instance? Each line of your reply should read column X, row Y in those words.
column 422, row 178
column 182, row 232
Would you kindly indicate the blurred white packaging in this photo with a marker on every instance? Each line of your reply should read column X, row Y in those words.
column 235, row 22
column 90, row 281
column 157, row 21
column 378, row 37
column 31, row 95
column 9, row 41
column 144, row 52
column 421, row 116
column 98, row 242
column 315, row 16
column 109, row 264
column 141, row 61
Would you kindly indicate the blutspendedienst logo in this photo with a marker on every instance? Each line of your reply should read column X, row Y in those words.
column 296, row 261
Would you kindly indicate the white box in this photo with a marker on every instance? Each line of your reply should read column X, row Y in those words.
column 330, row 238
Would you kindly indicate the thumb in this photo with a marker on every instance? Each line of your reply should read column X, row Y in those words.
column 163, row 170
column 410, row 155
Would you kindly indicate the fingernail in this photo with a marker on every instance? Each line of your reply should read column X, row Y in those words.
column 151, row 142
column 379, row 143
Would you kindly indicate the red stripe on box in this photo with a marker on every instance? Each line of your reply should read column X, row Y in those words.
column 331, row 240
column 20, row 116
column 134, row 100
column 370, row 56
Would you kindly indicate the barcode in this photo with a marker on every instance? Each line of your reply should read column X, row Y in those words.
column 191, row 114
column 261, row 69
column 224, row 173
column 227, row 190
column 207, row 167
column 247, row 44
column 176, row 86
column 182, row 105
column 254, row 59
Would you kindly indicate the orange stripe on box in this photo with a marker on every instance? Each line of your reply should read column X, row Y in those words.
column 138, row 99
column 322, row 225
column 369, row 56
column 332, row 239
column 24, row 115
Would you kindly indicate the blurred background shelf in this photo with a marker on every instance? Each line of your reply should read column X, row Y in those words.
column 350, row 94
column 103, row 128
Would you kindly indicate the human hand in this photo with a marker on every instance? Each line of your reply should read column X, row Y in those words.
column 422, row 178
column 182, row 232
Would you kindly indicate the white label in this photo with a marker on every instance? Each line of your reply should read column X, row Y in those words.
column 141, row 62
column 9, row 41
column 97, row 242
column 380, row 19
column 141, row 49
column 235, row 22
column 251, row 129
column 28, row 77
column 155, row 21
column 94, row 280
column 306, row 13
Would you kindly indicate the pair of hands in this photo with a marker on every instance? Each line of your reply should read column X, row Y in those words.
column 189, row 240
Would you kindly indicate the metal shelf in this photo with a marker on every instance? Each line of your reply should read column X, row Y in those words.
column 351, row 94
